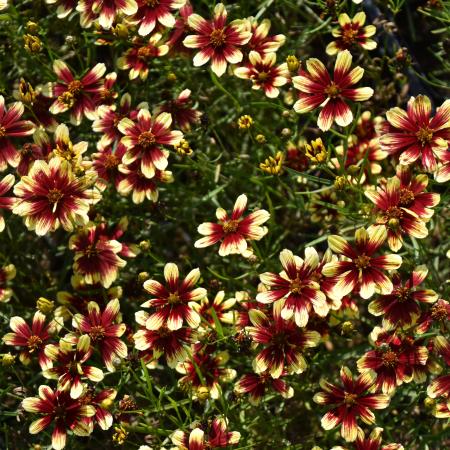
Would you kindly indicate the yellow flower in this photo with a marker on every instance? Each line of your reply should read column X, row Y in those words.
column 183, row 148
column 316, row 151
column 293, row 63
column 245, row 122
column 273, row 165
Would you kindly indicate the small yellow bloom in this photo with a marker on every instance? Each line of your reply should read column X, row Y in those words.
column 260, row 139
column 120, row 435
column 7, row 359
column 26, row 92
column 202, row 393
column 120, row 31
column 183, row 148
column 245, row 122
column 293, row 63
column 32, row 27
column 32, row 44
column 44, row 305
column 316, row 151
column 273, row 165
column 340, row 183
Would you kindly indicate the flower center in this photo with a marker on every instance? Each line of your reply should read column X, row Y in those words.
column 59, row 411
column 97, row 333
column 65, row 151
column 146, row 52
column 231, row 226
column 389, row 359
column 439, row 312
column 67, row 98
column 394, row 212
column 111, row 161
column 27, row 149
column 146, row 139
column 406, row 197
column 403, row 294
column 90, row 250
column 350, row 399
column 424, row 136
column 152, row 3
column 217, row 37
column 34, row 343
column 173, row 298
column 54, row 195
column 349, row 35
column 262, row 76
column 2, row 131
column 332, row 90
column 74, row 87
column 362, row 261
column 296, row 286
column 107, row 94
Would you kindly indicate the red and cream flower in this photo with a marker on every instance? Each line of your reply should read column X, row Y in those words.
column 106, row 164
column 40, row 149
column 180, row 109
column 218, row 309
column 217, row 40
column 100, row 401
column 263, row 73
column 181, row 29
column 295, row 288
column 442, row 174
column 173, row 344
column 141, row 187
column 11, row 127
column 401, row 307
column 104, row 328
column 138, row 58
column 235, row 230
column 59, row 408
column 205, row 369
column 439, row 313
column 108, row 10
column 440, row 386
column 318, row 89
column 372, row 442
column 7, row 273
column 151, row 12
column 64, row 149
column 69, row 369
column 6, row 202
column 394, row 360
column 96, row 255
column 32, row 339
column 350, row 401
column 361, row 269
column 52, row 195
column 352, row 32
column 65, row 7
column 256, row 385
column 143, row 138
column 260, row 41
column 216, row 435
column 415, row 134
column 402, row 210
column 76, row 95
column 172, row 302
column 280, row 343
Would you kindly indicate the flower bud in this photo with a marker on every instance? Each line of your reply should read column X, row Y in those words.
column 202, row 393
column 145, row 245
column 26, row 92
column 32, row 44
column 245, row 122
column 143, row 276
column 120, row 31
column 260, row 139
column 293, row 63
column 340, row 183
column 44, row 305
column 7, row 359
column 32, row 27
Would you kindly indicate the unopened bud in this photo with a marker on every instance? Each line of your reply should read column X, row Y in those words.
column 7, row 359
column 172, row 77
column 32, row 44
column 143, row 276
column 353, row 169
column 340, row 183
column 347, row 328
column 44, row 305
column 260, row 139
column 293, row 63
column 120, row 30
column 203, row 393
column 32, row 27
column 145, row 245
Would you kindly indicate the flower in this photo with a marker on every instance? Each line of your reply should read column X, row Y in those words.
column 141, row 187
column 442, row 174
column 107, row 10
column 106, row 164
column 234, row 231
column 51, row 195
column 256, row 386
column 7, row 273
column 439, row 386
column 361, row 268
column 402, row 209
column 65, row 7
column 217, row 40
column 318, row 89
column 439, row 312
column 3, row 4
column 59, row 408
column 211, row 368
column 245, row 122
column 316, row 151
column 263, row 73
column 394, row 360
column 70, row 356
column 181, row 111
column 215, row 436
column 352, row 32
column 6, row 202
column 76, row 95
column 280, row 343
column 401, row 307
column 143, row 138
column 104, row 329
column 100, row 401
column 65, row 150
column 152, row 11
column 217, row 310
column 295, row 288
column 273, row 165
column 372, row 442
column 260, row 41
column 350, row 401
column 138, row 57
column 32, row 339
column 181, row 28
column 10, row 127
column 415, row 134
column 96, row 256
column 173, row 300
